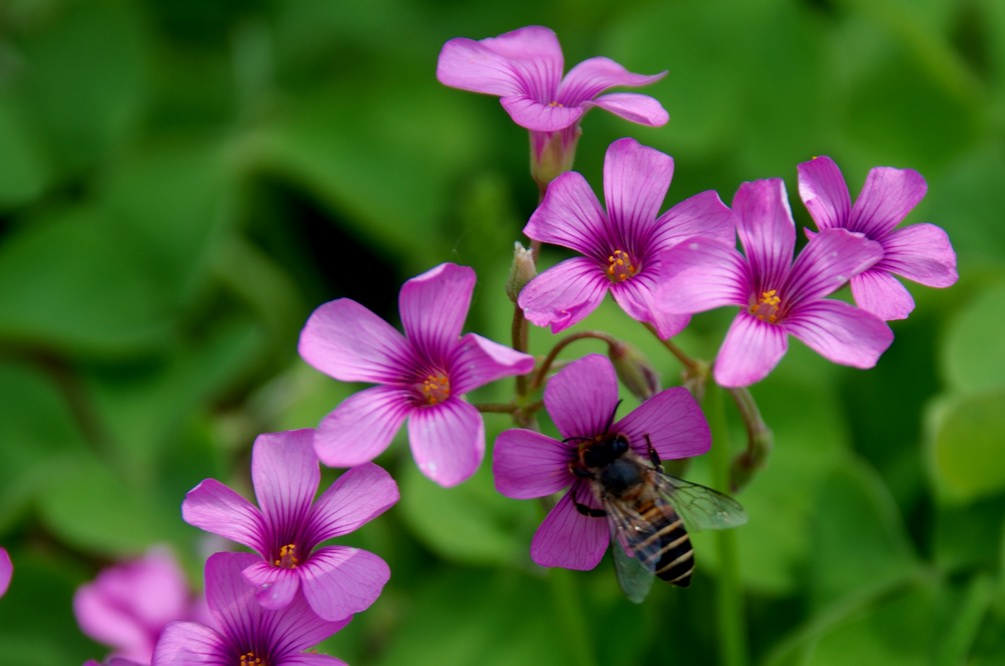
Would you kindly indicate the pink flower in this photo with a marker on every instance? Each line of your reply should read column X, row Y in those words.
column 777, row 297
column 421, row 376
column 241, row 630
column 920, row 252
column 621, row 246
column 6, row 571
column 581, row 400
column 524, row 68
column 337, row 580
column 128, row 605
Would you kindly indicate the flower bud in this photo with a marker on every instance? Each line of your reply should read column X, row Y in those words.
column 634, row 370
column 521, row 272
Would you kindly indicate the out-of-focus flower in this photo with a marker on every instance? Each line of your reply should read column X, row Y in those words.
column 919, row 252
column 6, row 571
column 777, row 297
column 242, row 631
column 337, row 581
column 621, row 247
column 421, row 375
column 128, row 605
column 581, row 400
column 524, row 68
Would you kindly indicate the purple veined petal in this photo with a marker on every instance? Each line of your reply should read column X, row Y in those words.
column 275, row 587
column 634, row 107
column 536, row 116
column 635, row 296
column 595, row 75
column 636, row 179
column 751, row 349
column 231, row 600
column 478, row 361
column 214, row 507
column 921, row 253
column 827, row 263
column 434, row 306
column 766, row 230
column 285, row 474
column 188, row 644
column 582, row 396
column 841, row 333
column 702, row 215
column 701, row 274
column 527, row 464
column 882, row 294
column 886, row 198
column 340, row 581
column 824, row 192
column 564, row 294
column 346, row 341
column 569, row 539
column 447, row 440
column 362, row 426
column 571, row 216
column 6, row 571
column 469, row 65
column 672, row 421
column 534, row 50
column 358, row 496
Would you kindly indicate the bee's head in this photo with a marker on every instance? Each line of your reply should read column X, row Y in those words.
column 604, row 451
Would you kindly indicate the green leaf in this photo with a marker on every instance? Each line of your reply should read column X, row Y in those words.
column 973, row 357
column 969, row 535
column 965, row 446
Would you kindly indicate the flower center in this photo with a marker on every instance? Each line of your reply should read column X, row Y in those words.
column 435, row 388
column 287, row 560
column 766, row 309
column 620, row 266
column 249, row 659
column 555, row 104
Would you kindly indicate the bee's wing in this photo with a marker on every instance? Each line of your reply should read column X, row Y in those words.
column 629, row 531
column 701, row 508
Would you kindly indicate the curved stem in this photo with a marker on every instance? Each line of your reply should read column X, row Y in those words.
column 694, row 367
column 759, row 440
column 542, row 372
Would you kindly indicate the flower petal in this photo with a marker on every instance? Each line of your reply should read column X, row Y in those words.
column 886, row 198
column 433, row 308
column 671, row 421
column 469, row 65
column 537, row 116
column 6, row 571
column 362, row 426
column 275, row 587
column 569, row 539
column 229, row 596
column 641, row 109
column 636, row 180
column 348, row 342
column 448, row 441
column 702, row 215
column 340, row 581
column 358, row 496
column 751, row 349
column 214, row 507
column 635, row 296
column 570, row 215
column 595, row 75
column 701, row 274
column 841, row 333
column 478, row 361
column 564, row 294
column 827, row 263
column 527, row 464
column 824, row 192
column 882, row 294
column 188, row 644
column 285, row 474
column 582, row 396
column 921, row 253
column 766, row 230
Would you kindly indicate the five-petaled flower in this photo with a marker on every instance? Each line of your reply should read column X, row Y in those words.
column 621, row 246
column 919, row 252
column 524, row 67
column 777, row 297
column 336, row 580
column 581, row 400
column 244, row 632
column 421, row 375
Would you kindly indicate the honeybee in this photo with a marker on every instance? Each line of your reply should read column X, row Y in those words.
column 648, row 511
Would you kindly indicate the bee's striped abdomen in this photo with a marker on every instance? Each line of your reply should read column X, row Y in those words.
column 676, row 558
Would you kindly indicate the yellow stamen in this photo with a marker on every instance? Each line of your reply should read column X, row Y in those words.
column 436, row 388
column 766, row 309
column 287, row 558
column 556, row 104
column 249, row 659
column 620, row 266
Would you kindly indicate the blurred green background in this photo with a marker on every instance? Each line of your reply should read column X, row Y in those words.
column 183, row 181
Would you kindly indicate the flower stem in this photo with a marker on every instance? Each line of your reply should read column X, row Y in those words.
column 729, row 593
column 759, row 440
column 542, row 372
column 693, row 367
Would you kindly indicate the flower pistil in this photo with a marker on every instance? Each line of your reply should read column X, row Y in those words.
column 249, row 659
column 766, row 308
column 620, row 266
column 435, row 388
column 287, row 557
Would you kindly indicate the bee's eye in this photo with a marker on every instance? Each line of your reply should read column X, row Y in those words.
column 619, row 445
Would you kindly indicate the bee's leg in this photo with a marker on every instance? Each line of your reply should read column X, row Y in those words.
column 588, row 510
column 654, row 455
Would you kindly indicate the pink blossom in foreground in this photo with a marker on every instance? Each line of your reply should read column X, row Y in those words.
column 524, row 68
column 421, row 376
column 243, row 632
column 581, row 399
column 919, row 252
column 286, row 531
column 621, row 246
column 777, row 297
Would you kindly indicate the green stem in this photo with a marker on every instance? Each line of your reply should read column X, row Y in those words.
column 542, row 372
column 730, row 612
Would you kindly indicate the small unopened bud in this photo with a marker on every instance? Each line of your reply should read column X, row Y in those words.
column 634, row 370
column 521, row 272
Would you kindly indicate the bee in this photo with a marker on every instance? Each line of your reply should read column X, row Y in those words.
column 648, row 511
